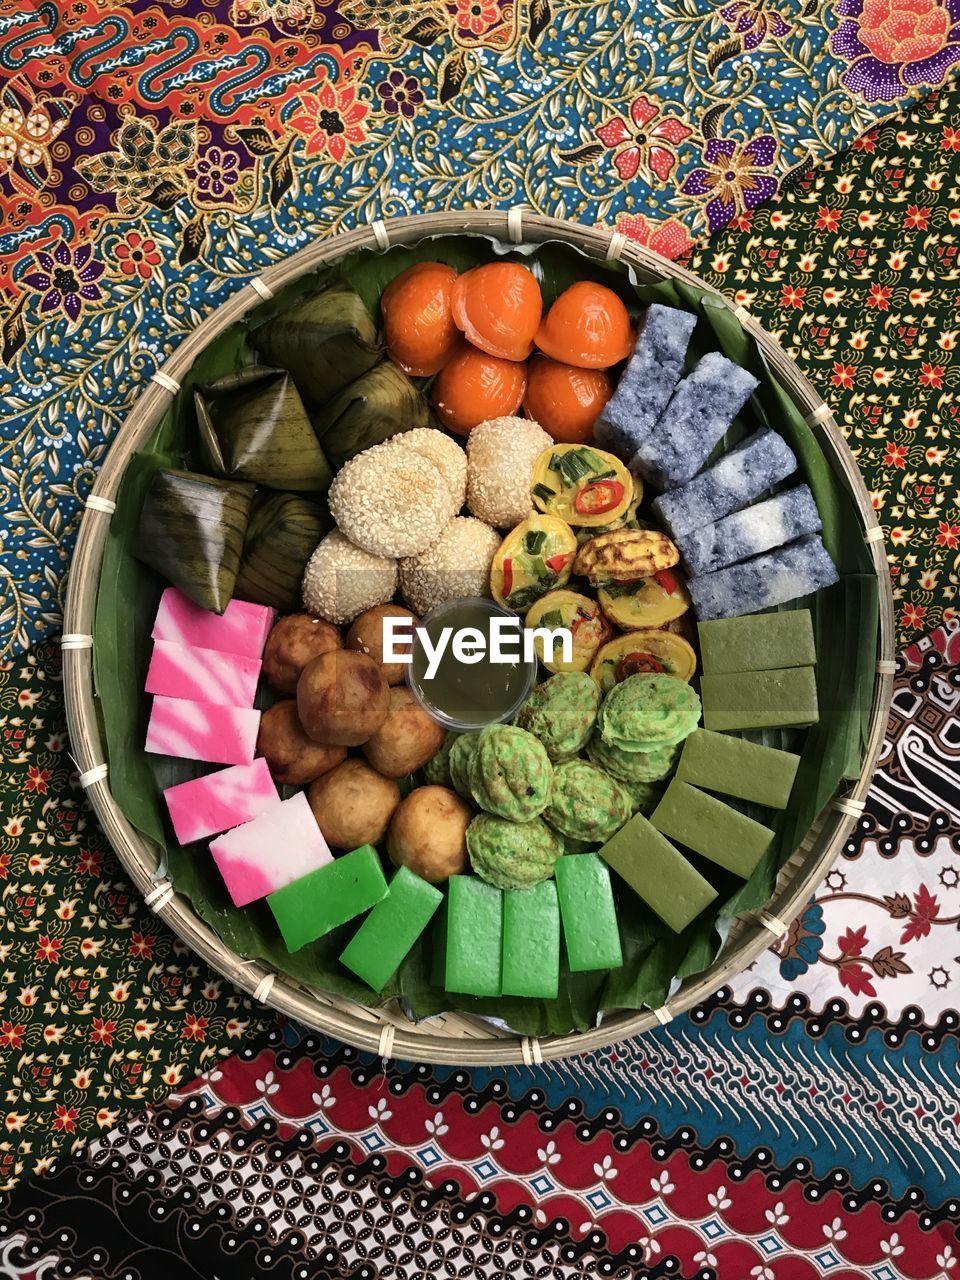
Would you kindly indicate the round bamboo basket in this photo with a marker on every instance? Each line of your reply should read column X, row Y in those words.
column 456, row 1039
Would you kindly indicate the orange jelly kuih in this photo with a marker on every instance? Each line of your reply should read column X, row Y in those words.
column 498, row 308
column 565, row 400
column 588, row 326
column 473, row 386
column 418, row 325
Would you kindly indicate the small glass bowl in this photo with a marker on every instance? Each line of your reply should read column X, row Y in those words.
column 494, row 610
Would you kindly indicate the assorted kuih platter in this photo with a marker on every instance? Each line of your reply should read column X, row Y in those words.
column 114, row 598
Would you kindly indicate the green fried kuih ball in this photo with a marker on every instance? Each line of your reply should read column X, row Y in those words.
column 511, row 774
column 512, row 855
column 562, row 712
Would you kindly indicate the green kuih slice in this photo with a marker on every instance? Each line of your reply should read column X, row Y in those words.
column 760, row 699
column 253, row 426
column 510, row 773
column 191, row 530
column 282, row 535
column 658, row 873
column 330, row 896
column 380, row 945
column 589, row 916
column 562, row 712
column 587, row 803
column 381, row 404
column 531, row 942
column 647, row 712
column 511, row 855
column 735, row 767
column 326, row 341
column 711, row 828
column 757, row 642
column 474, row 937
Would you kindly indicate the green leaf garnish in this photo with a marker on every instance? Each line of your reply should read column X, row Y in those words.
column 552, row 618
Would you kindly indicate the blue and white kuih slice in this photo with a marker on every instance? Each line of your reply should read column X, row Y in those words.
column 791, row 514
column 647, row 382
column 796, row 570
column 759, row 462
column 700, row 412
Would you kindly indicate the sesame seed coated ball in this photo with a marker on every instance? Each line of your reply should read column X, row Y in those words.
column 390, row 501
column 445, row 454
column 456, row 565
column 341, row 580
column 500, row 457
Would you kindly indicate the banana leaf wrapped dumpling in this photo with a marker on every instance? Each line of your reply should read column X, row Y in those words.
column 282, row 535
column 380, row 404
column 326, row 341
column 192, row 530
column 253, row 426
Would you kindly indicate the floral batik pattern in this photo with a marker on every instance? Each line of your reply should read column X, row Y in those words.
column 855, row 271
column 882, row 927
column 894, row 45
column 102, row 1008
column 154, row 157
column 734, row 179
column 304, row 1160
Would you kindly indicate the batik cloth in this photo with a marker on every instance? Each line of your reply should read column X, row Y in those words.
column 102, row 1008
column 155, row 157
column 855, row 270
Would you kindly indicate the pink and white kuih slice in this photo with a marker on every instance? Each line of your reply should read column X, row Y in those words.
column 203, row 675
column 242, row 627
column 206, row 806
column 280, row 846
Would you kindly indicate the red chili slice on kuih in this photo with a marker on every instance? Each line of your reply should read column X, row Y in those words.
column 507, row 577
column 597, row 498
column 667, row 580
column 557, row 562
column 638, row 664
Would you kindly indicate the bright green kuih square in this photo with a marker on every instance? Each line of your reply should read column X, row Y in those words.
column 378, row 948
column 757, row 642
column 474, row 936
column 711, row 828
column 531, row 941
column 759, row 699
column 328, row 897
column 735, row 767
column 588, row 913
column 658, row 873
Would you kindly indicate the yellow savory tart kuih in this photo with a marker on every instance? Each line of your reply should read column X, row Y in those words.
column 534, row 558
column 651, row 602
column 581, row 485
column 581, row 616
column 643, row 653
